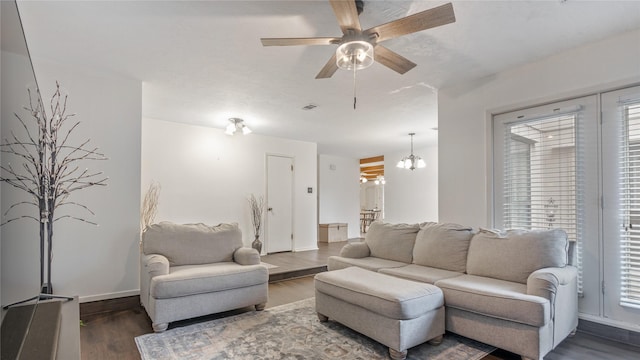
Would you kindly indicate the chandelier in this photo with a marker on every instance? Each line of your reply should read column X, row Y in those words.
column 237, row 124
column 412, row 161
column 380, row 180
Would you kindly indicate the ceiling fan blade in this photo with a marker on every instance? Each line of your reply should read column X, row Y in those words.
column 329, row 68
column 299, row 41
column 392, row 60
column 427, row 19
column 347, row 15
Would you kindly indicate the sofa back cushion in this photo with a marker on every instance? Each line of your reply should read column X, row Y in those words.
column 513, row 255
column 192, row 244
column 442, row 246
column 392, row 241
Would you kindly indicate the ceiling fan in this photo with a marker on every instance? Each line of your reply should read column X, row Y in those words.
column 358, row 48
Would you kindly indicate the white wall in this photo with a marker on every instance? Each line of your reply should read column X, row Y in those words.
column 464, row 114
column 411, row 196
column 339, row 192
column 89, row 261
column 207, row 176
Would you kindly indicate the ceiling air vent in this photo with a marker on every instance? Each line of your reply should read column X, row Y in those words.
column 309, row 107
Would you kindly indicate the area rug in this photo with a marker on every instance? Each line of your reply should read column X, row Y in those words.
column 290, row 331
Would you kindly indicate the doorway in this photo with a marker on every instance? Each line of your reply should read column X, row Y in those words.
column 372, row 183
column 279, row 225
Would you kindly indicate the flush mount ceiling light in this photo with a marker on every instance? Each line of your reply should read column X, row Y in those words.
column 412, row 161
column 237, row 124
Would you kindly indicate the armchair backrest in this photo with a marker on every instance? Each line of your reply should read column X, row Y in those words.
column 192, row 244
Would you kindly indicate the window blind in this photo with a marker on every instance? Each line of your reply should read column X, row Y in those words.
column 630, row 201
column 542, row 171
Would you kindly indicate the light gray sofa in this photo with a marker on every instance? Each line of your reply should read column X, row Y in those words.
column 516, row 290
column 190, row 270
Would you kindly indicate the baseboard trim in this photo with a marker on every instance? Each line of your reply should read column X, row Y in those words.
column 305, row 249
column 615, row 331
column 109, row 296
column 109, row 305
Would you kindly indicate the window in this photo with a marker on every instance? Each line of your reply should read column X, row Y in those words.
column 541, row 168
column 630, row 205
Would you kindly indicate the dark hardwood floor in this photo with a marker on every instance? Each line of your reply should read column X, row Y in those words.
column 110, row 334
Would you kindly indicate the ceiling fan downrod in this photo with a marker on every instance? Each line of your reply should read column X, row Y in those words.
column 359, row 6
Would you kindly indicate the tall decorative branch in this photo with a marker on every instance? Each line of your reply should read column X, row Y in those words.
column 149, row 206
column 257, row 208
column 49, row 171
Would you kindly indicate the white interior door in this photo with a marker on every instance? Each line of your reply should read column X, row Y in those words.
column 621, row 210
column 279, row 204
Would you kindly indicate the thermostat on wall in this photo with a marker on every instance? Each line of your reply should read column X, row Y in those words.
column 309, row 190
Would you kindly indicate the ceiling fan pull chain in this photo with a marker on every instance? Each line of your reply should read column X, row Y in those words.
column 354, row 85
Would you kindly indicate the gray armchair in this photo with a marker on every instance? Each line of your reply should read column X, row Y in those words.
column 190, row 270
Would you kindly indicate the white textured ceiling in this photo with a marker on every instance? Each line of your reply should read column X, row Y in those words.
column 202, row 62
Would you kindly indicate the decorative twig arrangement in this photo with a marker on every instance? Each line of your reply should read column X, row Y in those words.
column 149, row 206
column 49, row 169
column 257, row 208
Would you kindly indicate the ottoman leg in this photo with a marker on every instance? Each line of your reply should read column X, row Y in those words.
column 397, row 355
column 322, row 318
column 436, row 340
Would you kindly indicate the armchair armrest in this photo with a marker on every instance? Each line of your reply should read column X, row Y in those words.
column 246, row 256
column 151, row 265
column 355, row 250
column 155, row 264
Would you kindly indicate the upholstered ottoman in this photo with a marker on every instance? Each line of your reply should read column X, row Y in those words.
column 396, row 312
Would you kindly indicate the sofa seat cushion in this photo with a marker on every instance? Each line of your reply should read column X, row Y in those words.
column 386, row 295
column 420, row 273
column 199, row 279
column 369, row 263
column 496, row 298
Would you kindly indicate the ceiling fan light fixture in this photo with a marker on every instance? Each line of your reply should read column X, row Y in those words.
column 356, row 54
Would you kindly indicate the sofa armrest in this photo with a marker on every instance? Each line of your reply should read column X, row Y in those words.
column 246, row 256
column 155, row 264
column 547, row 283
column 355, row 250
